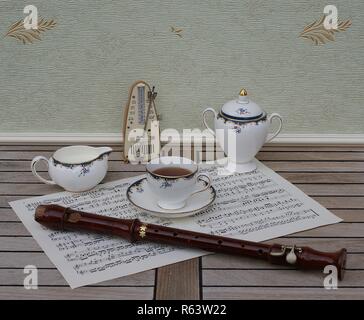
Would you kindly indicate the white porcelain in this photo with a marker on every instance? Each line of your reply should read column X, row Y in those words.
column 141, row 196
column 241, row 129
column 173, row 192
column 242, row 108
column 75, row 168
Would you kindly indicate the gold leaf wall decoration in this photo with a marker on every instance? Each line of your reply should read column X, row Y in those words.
column 177, row 31
column 318, row 34
column 26, row 36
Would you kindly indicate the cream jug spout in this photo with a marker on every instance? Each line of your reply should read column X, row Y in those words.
column 103, row 150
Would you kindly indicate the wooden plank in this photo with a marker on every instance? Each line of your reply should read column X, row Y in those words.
column 29, row 155
column 7, row 214
column 283, row 166
column 290, row 148
column 350, row 215
column 60, row 293
column 330, row 189
column 213, row 261
column 36, row 189
column 52, row 277
column 20, row 259
column 222, row 261
column 22, row 165
column 313, row 148
column 353, row 245
column 28, row 189
column 276, row 278
column 267, row 147
column 13, row 229
column 322, row 177
column 309, row 189
column 241, row 293
column 310, row 156
column 179, row 281
column 337, row 202
column 324, row 166
column 50, row 147
column 4, row 200
column 28, row 177
column 19, row 244
column 334, row 230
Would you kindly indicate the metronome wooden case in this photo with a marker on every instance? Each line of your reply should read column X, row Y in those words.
column 141, row 126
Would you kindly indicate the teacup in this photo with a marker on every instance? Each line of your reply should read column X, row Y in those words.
column 75, row 168
column 173, row 180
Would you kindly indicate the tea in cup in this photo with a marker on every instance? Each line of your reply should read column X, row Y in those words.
column 173, row 180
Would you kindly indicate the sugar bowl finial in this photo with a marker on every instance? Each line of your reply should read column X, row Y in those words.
column 243, row 93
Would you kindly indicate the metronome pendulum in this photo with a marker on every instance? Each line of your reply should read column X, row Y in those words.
column 141, row 125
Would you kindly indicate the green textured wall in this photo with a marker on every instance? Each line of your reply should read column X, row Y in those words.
column 76, row 78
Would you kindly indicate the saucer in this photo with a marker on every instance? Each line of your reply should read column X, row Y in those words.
column 140, row 195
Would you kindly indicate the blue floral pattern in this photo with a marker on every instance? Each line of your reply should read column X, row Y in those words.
column 137, row 186
column 84, row 170
column 243, row 123
column 166, row 184
column 242, row 111
column 237, row 129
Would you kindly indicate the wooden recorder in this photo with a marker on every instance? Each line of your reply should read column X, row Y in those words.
column 60, row 218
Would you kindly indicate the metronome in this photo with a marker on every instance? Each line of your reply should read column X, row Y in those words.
column 141, row 124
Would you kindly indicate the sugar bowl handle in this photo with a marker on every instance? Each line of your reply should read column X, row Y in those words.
column 204, row 119
column 34, row 171
column 270, row 119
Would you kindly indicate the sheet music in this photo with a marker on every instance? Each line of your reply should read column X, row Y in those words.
column 255, row 206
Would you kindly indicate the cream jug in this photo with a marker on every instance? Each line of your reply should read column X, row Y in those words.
column 246, row 125
column 75, row 168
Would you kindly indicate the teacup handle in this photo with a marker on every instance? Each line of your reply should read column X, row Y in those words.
column 270, row 118
column 32, row 166
column 199, row 178
column 204, row 119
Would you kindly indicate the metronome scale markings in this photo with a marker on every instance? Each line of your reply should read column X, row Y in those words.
column 140, row 119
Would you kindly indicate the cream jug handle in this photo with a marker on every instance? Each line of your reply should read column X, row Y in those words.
column 204, row 119
column 32, row 166
column 270, row 118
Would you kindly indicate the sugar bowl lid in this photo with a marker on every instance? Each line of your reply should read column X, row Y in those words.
column 242, row 108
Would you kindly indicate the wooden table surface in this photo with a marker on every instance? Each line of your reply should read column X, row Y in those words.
column 332, row 175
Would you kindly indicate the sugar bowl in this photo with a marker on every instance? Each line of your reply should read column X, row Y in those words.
column 241, row 129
